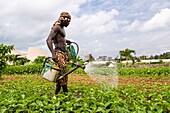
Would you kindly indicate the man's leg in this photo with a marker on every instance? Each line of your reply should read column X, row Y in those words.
column 65, row 88
column 61, row 62
column 58, row 87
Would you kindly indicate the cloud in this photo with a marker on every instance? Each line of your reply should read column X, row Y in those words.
column 99, row 27
column 95, row 24
column 89, row 30
column 159, row 20
column 159, row 5
column 134, row 26
column 29, row 22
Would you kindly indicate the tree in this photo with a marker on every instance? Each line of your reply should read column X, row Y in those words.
column 17, row 59
column 39, row 59
column 21, row 61
column 156, row 57
column 165, row 55
column 4, row 56
column 13, row 58
column 127, row 55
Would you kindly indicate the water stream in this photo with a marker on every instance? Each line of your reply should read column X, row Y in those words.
column 103, row 72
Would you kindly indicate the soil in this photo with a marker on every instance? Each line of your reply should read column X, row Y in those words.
column 144, row 80
column 85, row 79
column 124, row 80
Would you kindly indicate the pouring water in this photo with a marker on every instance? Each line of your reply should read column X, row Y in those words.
column 103, row 72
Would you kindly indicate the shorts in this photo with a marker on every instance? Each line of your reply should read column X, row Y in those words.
column 61, row 62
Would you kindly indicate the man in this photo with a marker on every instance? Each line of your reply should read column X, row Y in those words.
column 59, row 53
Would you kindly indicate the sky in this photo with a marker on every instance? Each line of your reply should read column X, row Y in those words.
column 99, row 27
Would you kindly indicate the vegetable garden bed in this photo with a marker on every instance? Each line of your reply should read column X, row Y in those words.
column 31, row 93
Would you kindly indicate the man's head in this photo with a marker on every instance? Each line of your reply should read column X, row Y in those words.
column 64, row 19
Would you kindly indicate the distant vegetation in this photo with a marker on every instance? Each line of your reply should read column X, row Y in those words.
column 125, row 55
column 165, row 55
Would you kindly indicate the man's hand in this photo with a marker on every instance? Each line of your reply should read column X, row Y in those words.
column 54, row 56
column 68, row 42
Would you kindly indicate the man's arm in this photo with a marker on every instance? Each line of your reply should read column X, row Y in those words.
column 50, row 39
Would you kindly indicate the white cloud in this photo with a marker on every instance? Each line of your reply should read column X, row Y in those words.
column 159, row 20
column 125, row 39
column 30, row 21
column 97, row 29
column 159, row 5
column 134, row 26
column 98, row 23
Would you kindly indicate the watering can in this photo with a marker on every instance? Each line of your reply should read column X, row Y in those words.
column 52, row 72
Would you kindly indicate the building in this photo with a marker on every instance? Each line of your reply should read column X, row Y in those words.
column 88, row 57
column 31, row 54
column 19, row 52
column 104, row 58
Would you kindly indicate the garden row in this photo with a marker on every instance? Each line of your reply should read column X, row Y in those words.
column 36, row 69
column 29, row 69
column 159, row 71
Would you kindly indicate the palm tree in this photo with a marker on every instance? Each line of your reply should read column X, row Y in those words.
column 127, row 55
column 17, row 59
column 13, row 58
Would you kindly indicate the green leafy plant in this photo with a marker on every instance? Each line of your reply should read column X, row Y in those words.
column 40, row 60
column 159, row 71
column 4, row 55
column 26, row 69
column 31, row 93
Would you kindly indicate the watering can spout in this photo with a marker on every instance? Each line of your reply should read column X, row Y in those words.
column 78, row 64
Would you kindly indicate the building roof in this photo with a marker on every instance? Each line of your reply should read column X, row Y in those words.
column 31, row 54
column 35, row 52
column 19, row 52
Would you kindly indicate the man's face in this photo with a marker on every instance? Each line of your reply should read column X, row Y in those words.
column 66, row 21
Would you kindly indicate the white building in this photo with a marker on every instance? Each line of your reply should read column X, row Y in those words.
column 31, row 54
column 35, row 52
column 19, row 52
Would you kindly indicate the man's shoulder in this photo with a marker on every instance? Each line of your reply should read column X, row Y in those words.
column 56, row 27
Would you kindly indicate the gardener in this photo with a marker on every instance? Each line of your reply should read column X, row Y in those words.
column 59, row 52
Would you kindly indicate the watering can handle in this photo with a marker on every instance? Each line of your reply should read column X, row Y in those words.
column 46, row 60
column 77, row 47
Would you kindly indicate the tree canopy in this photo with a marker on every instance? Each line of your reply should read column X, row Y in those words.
column 4, row 55
column 127, row 55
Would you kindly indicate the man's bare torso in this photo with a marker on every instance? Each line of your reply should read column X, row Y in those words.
column 59, row 39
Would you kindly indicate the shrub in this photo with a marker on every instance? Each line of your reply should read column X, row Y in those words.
column 31, row 69
column 26, row 69
column 159, row 71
